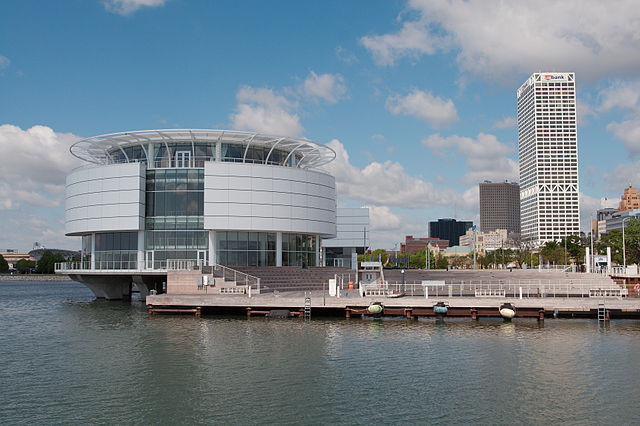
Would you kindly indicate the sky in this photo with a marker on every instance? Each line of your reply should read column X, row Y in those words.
column 417, row 98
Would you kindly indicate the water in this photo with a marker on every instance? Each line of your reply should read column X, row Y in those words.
column 66, row 358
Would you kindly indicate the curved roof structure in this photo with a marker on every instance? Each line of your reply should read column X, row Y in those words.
column 100, row 149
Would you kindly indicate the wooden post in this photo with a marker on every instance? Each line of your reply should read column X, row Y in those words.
column 408, row 313
column 150, row 308
column 474, row 314
column 541, row 315
column 248, row 312
column 197, row 311
column 347, row 313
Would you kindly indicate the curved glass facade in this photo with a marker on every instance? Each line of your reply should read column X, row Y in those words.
column 260, row 249
column 181, row 154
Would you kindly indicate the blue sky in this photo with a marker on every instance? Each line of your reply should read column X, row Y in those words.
column 417, row 98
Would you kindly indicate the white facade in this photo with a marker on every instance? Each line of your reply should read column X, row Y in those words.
column 105, row 198
column 548, row 158
column 353, row 235
column 257, row 197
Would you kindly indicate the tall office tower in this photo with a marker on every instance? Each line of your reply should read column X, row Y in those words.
column 500, row 206
column 548, row 156
column 449, row 229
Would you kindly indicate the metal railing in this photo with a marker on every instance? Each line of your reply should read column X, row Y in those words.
column 130, row 265
column 507, row 288
column 239, row 277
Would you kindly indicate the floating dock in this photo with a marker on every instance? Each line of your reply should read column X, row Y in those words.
column 352, row 305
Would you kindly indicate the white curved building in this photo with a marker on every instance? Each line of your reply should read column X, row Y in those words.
column 150, row 199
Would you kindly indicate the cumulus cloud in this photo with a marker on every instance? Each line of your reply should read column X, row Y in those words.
column 4, row 62
column 490, row 36
column 486, row 157
column 623, row 175
column 424, row 105
column 505, row 123
column 127, row 7
column 588, row 207
column 345, row 56
column 625, row 97
column 35, row 163
column 384, row 183
column 263, row 110
column 382, row 218
column 327, row 87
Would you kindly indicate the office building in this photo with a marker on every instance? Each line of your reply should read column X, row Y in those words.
column 414, row 245
column 353, row 236
column 548, row 158
column 500, row 206
column 630, row 199
column 152, row 201
column 449, row 229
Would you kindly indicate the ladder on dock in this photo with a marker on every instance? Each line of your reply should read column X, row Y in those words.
column 307, row 305
column 602, row 312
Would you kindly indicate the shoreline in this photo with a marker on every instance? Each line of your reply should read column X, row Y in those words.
column 34, row 277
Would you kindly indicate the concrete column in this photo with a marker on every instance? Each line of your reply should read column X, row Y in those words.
column 212, row 248
column 324, row 256
column 141, row 264
column 93, row 251
column 278, row 248
column 354, row 259
column 608, row 260
column 317, row 250
column 587, row 259
column 218, row 151
column 151, row 152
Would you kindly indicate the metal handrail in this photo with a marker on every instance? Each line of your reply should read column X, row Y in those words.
column 228, row 272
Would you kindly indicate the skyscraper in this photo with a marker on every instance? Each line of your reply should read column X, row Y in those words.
column 449, row 229
column 499, row 206
column 548, row 157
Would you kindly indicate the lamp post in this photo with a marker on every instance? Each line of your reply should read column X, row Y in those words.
column 475, row 244
column 624, row 247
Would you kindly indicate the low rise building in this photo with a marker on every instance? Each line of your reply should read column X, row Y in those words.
column 630, row 199
column 413, row 245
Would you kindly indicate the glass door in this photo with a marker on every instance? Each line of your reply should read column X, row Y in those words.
column 183, row 159
column 202, row 258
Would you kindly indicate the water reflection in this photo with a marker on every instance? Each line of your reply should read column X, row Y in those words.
column 68, row 358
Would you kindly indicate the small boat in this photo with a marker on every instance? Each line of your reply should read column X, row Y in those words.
column 440, row 308
column 396, row 294
column 375, row 308
column 507, row 311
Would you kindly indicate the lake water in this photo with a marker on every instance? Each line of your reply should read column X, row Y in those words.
column 67, row 358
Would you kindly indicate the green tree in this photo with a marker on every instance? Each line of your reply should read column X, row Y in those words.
column 4, row 266
column 24, row 265
column 46, row 264
column 553, row 253
column 381, row 253
column 613, row 239
column 441, row 262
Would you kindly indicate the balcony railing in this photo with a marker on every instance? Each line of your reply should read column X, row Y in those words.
column 124, row 265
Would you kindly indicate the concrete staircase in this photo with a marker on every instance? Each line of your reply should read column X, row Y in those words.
column 294, row 278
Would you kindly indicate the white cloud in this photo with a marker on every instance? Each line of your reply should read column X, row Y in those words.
column 414, row 39
column 495, row 39
column 487, row 158
column 328, row 87
column 4, row 62
column 382, row 218
column 345, row 56
column 620, row 94
column 623, row 175
column 588, row 207
column 35, row 164
column 629, row 132
column 384, row 183
column 423, row 105
column 505, row 123
column 127, row 7
column 262, row 110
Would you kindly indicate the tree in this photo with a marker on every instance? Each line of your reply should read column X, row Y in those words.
column 441, row 262
column 4, row 266
column 460, row 261
column 24, row 265
column 552, row 252
column 46, row 264
column 613, row 239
